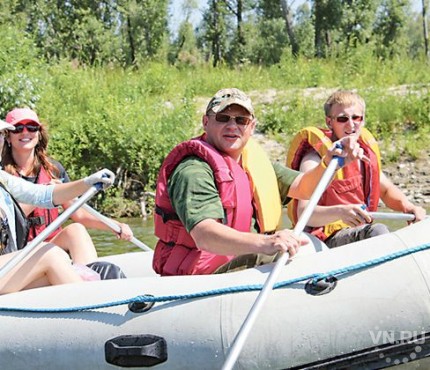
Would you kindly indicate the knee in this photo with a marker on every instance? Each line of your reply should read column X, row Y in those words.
column 74, row 231
column 54, row 254
column 378, row 229
column 57, row 253
column 75, row 228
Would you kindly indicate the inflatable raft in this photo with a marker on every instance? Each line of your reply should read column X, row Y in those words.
column 363, row 306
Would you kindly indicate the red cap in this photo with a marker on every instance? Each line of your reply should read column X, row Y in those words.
column 22, row 115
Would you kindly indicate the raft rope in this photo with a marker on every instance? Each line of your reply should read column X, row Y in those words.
column 236, row 289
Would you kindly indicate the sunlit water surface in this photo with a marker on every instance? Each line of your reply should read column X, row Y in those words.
column 107, row 244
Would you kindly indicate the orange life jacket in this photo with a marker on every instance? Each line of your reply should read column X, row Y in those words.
column 350, row 184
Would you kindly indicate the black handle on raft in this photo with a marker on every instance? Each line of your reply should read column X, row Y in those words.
column 322, row 286
column 140, row 307
column 136, row 350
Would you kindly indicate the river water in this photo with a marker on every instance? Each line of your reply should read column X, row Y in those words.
column 107, row 244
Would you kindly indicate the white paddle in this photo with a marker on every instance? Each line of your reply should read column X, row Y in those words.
column 392, row 216
column 268, row 285
column 46, row 232
column 115, row 227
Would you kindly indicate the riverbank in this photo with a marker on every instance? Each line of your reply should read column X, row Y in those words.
column 412, row 177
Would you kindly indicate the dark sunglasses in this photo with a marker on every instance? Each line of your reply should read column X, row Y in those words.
column 344, row 119
column 240, row 120
column 30, row 128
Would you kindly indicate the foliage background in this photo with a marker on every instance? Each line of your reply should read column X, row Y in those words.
column 117, row 90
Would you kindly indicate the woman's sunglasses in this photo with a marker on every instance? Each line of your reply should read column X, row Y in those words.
column 30, row 128
column 240, row 120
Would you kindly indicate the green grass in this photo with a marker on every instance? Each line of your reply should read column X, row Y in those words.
column 128, row 120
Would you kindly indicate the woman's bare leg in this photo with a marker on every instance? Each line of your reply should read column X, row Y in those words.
column 75, row 240
column 46, row 265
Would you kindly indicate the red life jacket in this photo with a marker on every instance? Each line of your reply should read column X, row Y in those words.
column 40, row 218
column 350, row 184
column 176, row 252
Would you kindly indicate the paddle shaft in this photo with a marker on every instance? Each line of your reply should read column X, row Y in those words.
column 115, row 227
column 268, row 285
column 46, row 232
column 392, row 216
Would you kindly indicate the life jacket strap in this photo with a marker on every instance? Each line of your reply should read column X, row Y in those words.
column 165, row 216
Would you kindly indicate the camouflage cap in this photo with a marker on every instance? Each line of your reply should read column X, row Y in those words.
column 226, row 97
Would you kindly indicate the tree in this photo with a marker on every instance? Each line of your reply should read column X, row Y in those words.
column 390, row 27
column 184, row 49
column 327, row 15
column 341, row 25
column 240, row 35
column 215, row 30
column 304, row 30
column 144, row 26
column 357, row 20
column 286, row 13
column 74, row 29
column 425, row 30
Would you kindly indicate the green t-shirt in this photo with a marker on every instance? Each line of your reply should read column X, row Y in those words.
column 194, row 194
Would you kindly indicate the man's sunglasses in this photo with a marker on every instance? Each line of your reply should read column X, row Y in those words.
column 240, row 120
column 344, row 119
column 30, row 128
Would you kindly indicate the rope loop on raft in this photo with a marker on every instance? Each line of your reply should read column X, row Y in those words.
column 147, row 298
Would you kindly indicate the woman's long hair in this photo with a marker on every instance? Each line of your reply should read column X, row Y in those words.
column 41, row 158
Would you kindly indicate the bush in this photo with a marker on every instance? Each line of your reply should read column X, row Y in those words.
column 97, row 122
column 129, row 120
column 19, row 63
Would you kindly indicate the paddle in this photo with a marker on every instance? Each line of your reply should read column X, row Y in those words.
column 268, row 285
column 46, row 232
column 114, row 227
column 393, row 216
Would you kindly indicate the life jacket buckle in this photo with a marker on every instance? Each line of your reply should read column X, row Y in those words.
column 39, row 220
